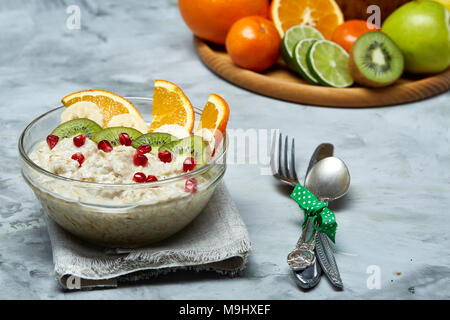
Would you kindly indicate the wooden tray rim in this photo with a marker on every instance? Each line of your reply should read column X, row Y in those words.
column 355, row 97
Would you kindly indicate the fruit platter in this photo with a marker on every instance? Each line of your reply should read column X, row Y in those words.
column 327, row 52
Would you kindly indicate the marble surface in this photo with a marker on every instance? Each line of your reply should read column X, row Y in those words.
column 395, row 216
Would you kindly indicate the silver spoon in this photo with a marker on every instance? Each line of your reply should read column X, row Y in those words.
column 329, row 180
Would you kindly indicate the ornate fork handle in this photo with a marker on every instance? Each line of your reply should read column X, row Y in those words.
column 303, row 255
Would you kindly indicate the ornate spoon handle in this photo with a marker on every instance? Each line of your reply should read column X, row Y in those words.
column 303, row 255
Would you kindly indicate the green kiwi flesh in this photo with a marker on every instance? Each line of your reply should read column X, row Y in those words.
column 112, row 135
column 192, row 146
column 375, row 60
column 155, row 140
column 76, row 127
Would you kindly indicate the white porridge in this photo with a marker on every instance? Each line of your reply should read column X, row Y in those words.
column 105, row 167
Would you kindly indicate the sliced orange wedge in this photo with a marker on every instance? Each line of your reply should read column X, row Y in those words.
column 171, row 106
column 324, row 15
column 214, row 117
column 109, row 103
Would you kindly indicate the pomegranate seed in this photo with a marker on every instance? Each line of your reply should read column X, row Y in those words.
column 79, row 157
column 125, row 139
column 105, row 146
column 139, row 159
column 189, row 164
column 151, row 178
column 165, row 156
column 52, row 141
column 79, row 140
column 144, row 148
column 139, row 177
column 191, row 185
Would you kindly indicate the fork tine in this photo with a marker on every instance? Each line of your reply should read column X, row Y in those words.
column 280, row 154
column 285, row 157
column 273, row 153
column 292, row 171
column 283, row 165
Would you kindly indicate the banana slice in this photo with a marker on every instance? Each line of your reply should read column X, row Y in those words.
column 174, row 129
column 210, row 140
column 83, row 109
column 128, row 120
column 207, row 136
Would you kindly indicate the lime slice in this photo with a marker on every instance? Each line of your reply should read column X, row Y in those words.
column 300, row 52
column 292, row 37
column 328, row 62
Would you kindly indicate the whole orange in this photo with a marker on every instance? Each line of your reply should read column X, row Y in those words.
column 253, row 43
column 211, row 19
column 347, row 33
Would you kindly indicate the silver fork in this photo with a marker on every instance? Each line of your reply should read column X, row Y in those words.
column 280, row 168
column 283, row 168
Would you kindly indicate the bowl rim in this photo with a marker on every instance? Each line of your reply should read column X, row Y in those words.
column 190, row 174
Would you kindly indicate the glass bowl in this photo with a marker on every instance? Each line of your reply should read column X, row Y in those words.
column 117, row 215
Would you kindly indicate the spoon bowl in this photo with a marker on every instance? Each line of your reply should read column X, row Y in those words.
column 329, row 179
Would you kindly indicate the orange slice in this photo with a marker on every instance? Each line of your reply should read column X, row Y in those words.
column 171, row 106
column 109, row 103
column 324, row 15
column 214, row 117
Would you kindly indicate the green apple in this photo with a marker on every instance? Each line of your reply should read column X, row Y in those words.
column 421, row 29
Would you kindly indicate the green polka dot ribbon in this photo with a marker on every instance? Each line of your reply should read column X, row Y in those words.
column 323, row 218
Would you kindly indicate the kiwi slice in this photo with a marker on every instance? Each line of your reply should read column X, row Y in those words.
column 155, row 139
column 375, row 60
column 75, row 127
column 112, row 135
column 192, row 146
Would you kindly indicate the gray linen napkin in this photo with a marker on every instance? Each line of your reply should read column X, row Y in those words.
column 216, row 240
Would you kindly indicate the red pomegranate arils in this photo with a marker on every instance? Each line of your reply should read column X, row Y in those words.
column 105, row 146
column 139, row 159
column 125, row 139
column 151, row 178
column 79, row 157
column 191, row 185
column 52, row 140
column 139, row 177
column 189, row 164
column 165, row 156
column 79, row 140
column 144, row 148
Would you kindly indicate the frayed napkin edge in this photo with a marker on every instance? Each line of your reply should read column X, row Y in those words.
column 148, row 272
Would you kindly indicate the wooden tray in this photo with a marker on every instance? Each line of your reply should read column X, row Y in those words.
column 280, row 83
